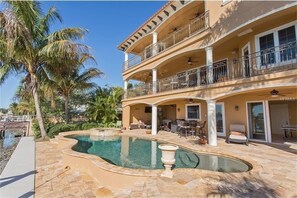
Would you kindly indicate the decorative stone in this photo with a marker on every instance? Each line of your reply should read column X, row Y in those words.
column 168, row 158
column 104, row 134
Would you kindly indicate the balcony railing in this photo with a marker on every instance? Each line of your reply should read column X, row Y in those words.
column 267, row 61
column 196, row 26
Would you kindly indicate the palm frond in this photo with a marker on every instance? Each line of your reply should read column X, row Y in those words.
column 67, row 34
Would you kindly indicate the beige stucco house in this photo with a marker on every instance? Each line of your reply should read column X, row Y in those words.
column 224, row 62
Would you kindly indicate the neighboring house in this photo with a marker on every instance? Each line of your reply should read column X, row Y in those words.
column 228, row 62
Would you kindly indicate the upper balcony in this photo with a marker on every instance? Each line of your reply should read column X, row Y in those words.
column 193, row 28
column 268, row 61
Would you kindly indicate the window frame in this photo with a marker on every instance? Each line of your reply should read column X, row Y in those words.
column 186, row 111
column 273, row 31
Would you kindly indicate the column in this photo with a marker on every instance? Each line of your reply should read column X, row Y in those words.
column 154, row 82
column 125, row 89
column 126, row 64
column 154, row 154
column 126, row 117
column 155, row 46
column 209, row 64
column 212, row 125
column 154, row 119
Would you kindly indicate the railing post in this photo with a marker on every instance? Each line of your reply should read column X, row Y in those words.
column 209, row 64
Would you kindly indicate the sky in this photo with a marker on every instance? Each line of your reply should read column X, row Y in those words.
column 108, row 23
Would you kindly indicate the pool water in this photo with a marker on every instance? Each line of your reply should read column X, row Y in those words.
column 144, row 154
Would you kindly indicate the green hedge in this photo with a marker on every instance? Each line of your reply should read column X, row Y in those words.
column 89, row 125
column 61, row 127
column 55, row 129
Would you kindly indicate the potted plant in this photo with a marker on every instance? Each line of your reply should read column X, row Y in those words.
column 202, row 138
column 168, row 158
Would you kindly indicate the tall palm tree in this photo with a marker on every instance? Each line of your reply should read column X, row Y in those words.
column 26, row 44
column 70, row 77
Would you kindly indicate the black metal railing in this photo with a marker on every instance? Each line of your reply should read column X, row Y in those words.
column 196, row 26
column 277, row 59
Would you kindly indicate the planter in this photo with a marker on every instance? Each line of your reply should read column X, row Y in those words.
column 202, row 141
column 148, row 132
column 168, row 158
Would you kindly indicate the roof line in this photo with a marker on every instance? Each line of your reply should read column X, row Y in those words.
column 141, row 26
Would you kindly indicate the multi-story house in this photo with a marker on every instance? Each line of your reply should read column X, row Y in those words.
column 223, row 62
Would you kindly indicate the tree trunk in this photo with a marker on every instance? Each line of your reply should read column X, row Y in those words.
column 66, row 110
column 37, row 106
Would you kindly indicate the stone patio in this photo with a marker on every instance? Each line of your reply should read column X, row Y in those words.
column 274, row 173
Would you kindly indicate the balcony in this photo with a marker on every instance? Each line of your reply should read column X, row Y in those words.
column 277, row 59
column 195, row 27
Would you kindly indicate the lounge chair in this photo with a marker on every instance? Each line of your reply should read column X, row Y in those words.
column 237, row 134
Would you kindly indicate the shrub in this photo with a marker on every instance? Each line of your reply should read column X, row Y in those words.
column 36, row 129
column 56, row 129
column 89, row 125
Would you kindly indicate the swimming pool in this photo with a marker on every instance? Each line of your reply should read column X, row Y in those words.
column 137, row 153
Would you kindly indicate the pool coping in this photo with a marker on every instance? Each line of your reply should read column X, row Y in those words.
column 102, row 164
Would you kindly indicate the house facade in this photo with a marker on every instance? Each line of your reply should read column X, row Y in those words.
column 223, row 62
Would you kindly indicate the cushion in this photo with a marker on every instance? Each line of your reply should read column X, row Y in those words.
column 238, row 137
column 236, row 133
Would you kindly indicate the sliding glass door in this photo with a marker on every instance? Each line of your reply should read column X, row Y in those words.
column 220, row 118
column 256, row 121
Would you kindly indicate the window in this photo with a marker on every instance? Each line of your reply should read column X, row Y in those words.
column 193, row 112
column 267, row 49
column 277, row 45
column 148, row 110
column 287, row 36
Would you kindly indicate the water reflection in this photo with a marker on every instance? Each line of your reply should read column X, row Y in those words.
column 143, row 154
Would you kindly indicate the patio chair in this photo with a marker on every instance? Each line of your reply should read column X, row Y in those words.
column 199, row 130
column 118, row 124
column 143, row 125
column 237, row 134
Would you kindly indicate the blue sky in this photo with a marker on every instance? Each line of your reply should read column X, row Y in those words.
column 109, row 23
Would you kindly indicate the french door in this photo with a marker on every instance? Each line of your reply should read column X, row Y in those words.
column 220, row 118
column 246, row 62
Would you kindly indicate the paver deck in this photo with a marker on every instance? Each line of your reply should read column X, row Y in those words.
column 275, row 174
column 17, row 178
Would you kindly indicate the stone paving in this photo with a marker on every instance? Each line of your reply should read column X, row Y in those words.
column 274, row 173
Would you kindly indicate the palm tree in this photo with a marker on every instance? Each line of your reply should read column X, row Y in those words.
column 26, row 44
column 69, row 78
column 105, row 104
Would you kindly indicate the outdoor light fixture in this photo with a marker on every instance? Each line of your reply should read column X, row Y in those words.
column 236, row 107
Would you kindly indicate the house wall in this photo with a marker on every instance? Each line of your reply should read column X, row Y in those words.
column 138, row 113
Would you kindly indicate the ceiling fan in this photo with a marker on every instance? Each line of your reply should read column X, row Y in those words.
column 274, row 93
column 190, row 61
column 174, row 29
